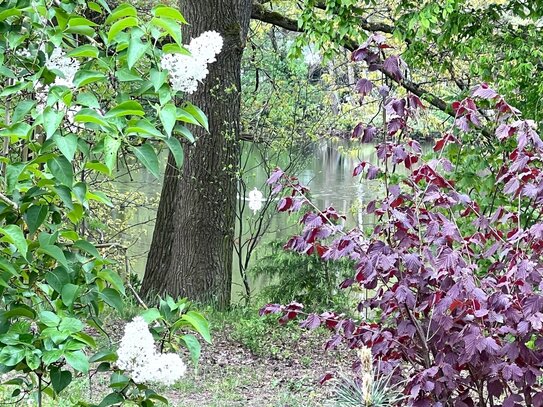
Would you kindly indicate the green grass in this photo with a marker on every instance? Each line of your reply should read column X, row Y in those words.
column 217, row 386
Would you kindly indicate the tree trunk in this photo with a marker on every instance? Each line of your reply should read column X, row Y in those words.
column 191, row 250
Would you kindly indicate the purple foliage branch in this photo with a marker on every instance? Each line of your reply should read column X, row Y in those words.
column 455, row 306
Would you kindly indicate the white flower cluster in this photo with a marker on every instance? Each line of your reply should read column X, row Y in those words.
column 140, row 360
column 23, row 53
column 67, row 66
column 186, row 71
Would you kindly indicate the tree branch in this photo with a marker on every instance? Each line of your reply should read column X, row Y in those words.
column 261, row 13
column 8, row 201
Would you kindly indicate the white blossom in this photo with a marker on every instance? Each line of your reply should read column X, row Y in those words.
column 41, row 93
column 138, row 357
column 67, row 66
column 136, row 350
column 186, row 71
column 206, row 46
column 23, row 53
column 166, row 369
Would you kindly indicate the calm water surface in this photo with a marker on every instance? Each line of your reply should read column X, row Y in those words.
column 328, row 173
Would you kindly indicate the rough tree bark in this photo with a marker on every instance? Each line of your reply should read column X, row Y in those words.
column 191, row 250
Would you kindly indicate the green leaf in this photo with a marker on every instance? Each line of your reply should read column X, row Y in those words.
column 97, row 166
column 170, row 26
column 87, row 247
column 186, row 117
column 168, row 12
column 35, row 216
column 11, row 355
column 84, row 51
column 175, row 49
column 55, row 335
column 14, row 235
column 69, row 294
column 90, row 116
column 147, row 156
column 158, row 78
column 84, row 338
column 168, row 117
column 9, row 12
column 111, row 147
column 8, row 73
column 65, row 194
column 62, row 170
column 151, row 315
column 56, row 253
column 80, row 25
column 199, row 323
column 76, row 214
column 66, row 144
column 88, row 99
column 143, row 127
column 49, row 319
column 112, row 298
column 19, row 130
column 84, row 77
column 60, row 379
column 95, row 7
column 99, row 196
column 151, row 395
column 136, row 48
column 176, row 149
column 6, row 266
column 113, row 278
column 78, row 360
column 57, row 278
column 103, row 355
column 80, row 192
column 21, row 311
column 70, row 325
column 194, row 347
column 123, row 10
column 22, row 109
column 51, row 356
column 51, row 120
column 121, row 25
column 112, row 399
column 198, row 114
column 32, row 359
column 13, row 171
column 125, row 75
column 10, row 90
column 118, row 380
column 127, row 108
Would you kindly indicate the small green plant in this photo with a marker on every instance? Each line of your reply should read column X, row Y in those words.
column 262, row 337
column 350, row 392
column 370, row 388
column 305, row 279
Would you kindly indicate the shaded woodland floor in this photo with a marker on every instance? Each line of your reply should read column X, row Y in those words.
column 251, row 362
column 283, row 370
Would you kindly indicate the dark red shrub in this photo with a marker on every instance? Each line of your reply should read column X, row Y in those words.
column 455, row 308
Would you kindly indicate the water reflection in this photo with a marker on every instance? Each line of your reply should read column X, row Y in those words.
column 327, row 171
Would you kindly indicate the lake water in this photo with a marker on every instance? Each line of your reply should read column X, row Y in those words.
column 327, row 170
